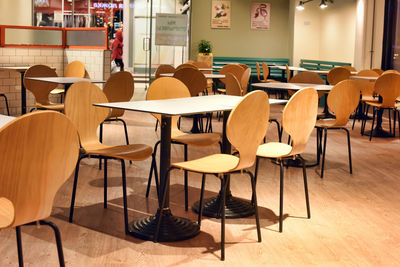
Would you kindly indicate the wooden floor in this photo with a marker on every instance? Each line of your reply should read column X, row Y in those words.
column 354, row 218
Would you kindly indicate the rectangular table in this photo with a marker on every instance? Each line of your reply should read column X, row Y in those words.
column 283, row 69
column 5, row 119
column 292, row 86
column 175, row 228
column 207, row 75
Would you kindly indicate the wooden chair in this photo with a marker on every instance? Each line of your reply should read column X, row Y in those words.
column 194, row 80
column 232, row 85
column 73, row 69
column 368, row 73
column 349, row 68
column 6, row 102
column 337, row 75
column 388, row 87
column 118, row 88
column 265, row 71
column 186, row 65
column 244, row 81
column 288, row 73
column 389, row 71
column 379, row 71
column 298, row 120
column 201, row 64
column 235, row 69
column 167, row 88
column 79, row 108
column 244, row 66
column 38, row 154
column 245, row 129
column 41, row 90
column 307, row 77
column 342, row 101
column 163, row 69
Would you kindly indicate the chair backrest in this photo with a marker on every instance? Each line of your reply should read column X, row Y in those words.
column 343, row 99
column 349, row 68
column 379, row 71
column 232, row 85
column 336, row 75
column 388, row 86
column 307, row 77
column 258, row 72
column 39, row 152
column 202, row 64
column 288, row 73
column 186, row 65
column 194, row 80
column 244, row 81
column 235, row 69
column 167, row 88
column 75, row 69
column 80, row 110
column 39, row 89
column 368, row 73
column 247, row 125
column 244, row 66
column 163, row 69
column 119, row 88
column 299, row 117
column 389, row 71
column 265, row 70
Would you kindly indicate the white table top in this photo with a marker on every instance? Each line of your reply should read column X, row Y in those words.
column 364, row 78
column 15, row 68
column 293, row 68
column 208, row 75
column 64, row 80
column 293, row 86
column 325, row 72
column 205, row 69
column 5, row 119
column 183, row 106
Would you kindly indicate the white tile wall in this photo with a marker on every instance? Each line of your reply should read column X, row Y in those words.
column 97, row 63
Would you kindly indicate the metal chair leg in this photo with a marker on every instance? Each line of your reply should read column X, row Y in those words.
column 203, row 179
column 125, row 198
column 186, row 178
column 349, row 149
column 6, row 101
column 323, row 152
column 223, row 185
column 305, row 186
column 19, row 246
column 372, row 126
column 152, row 167
column 281, row 196
column 105, row 184
column 71, row 209
column 58, row 240
column 254, row 195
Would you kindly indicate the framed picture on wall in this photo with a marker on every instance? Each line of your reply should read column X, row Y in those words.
column 221, row 14
column 260, row 16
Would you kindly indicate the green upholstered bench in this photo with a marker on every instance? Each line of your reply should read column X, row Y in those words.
column 320, row 64
column 251, row 62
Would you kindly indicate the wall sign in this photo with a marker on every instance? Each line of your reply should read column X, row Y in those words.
column 171, row 29
column 260, row 16
column 221, row 14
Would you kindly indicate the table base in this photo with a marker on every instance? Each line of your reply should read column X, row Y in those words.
column 378, row 132
column 234, row 207
column 172, row 228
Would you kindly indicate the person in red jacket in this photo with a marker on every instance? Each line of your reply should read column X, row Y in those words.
column 117, row 50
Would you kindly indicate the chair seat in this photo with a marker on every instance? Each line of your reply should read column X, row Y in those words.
column 200, row 139
column 369, row 98
column 222, row 90
column 326, row 123
column 56, row 107
column 6, row 213
column 379, row 105
column 133, row 152
column 273, row 150
column 57, row 91
column 217, row 163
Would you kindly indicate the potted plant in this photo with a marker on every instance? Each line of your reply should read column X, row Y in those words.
column 205, row 55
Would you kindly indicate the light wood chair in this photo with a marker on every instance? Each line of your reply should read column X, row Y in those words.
column 390, row 71
column 38, row 154
column 342, row 101
column 265, row 71
column 41, row 90
column 244, row 81
column 388, row 87
column 337, row 75
column 245, row 129
column 288, row 73
column 167, row 88
column 298, row 120
column 232, row 85
column 349, row 68
column 201, row 64
column 235, row 69
column 186, row 65
column 118, row 88
column 244, row 66
column 73, row 69
column 307, row 77
column 79, row 108
column 163, row 69
column 194, row 80
column 379, row 71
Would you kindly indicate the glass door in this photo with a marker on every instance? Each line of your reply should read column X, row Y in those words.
column 148, row 56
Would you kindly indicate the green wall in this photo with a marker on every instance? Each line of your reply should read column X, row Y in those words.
column 240, row 40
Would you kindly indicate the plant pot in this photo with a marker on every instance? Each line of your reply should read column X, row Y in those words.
column 207, row 58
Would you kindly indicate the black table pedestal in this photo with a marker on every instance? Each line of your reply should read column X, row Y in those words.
column 172, row 228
